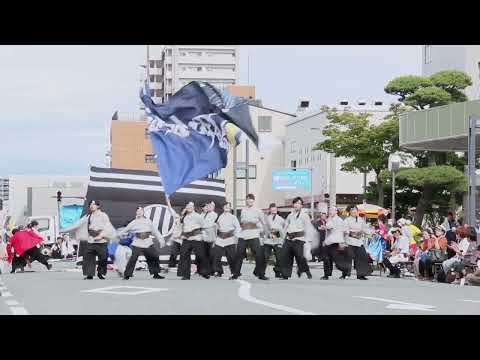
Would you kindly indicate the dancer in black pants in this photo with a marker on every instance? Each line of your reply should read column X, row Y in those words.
column 252, row 222
column 100, row 230
column 319, row 224
column 192, row 224
column 274, row 239
column 27, row 239
column 142, row 244
column 228, row 228
column 356, row 230
column 335, row 246
column 209, row 232
column 296, row 228
column 175, row 241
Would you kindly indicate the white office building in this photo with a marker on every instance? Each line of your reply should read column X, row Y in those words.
column 170, row 67
column 304, row 132
column 36, row 195
column 454, row 57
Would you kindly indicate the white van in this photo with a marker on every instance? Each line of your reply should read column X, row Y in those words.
column 48, row 228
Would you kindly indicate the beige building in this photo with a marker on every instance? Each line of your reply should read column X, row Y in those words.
column 245, row 91
column 130, row 146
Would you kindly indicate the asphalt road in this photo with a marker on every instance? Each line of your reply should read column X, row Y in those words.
column 63, row 291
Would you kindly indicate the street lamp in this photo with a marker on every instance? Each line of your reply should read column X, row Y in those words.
column 394, row 162
column 333, row 176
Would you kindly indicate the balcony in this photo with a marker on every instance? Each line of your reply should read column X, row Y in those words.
column 443, row 128
column 130, row 116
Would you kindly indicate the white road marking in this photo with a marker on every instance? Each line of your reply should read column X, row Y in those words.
column 7, row 294
column 473, row 301
column 3, row 288
column 244, row 293
column 111, row 290
column 400, row 305
column 18, row 310
column 11, row 302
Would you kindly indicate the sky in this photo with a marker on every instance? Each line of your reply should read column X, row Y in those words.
column 56, row 100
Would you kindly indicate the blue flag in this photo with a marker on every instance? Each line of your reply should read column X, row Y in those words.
column 188, row 133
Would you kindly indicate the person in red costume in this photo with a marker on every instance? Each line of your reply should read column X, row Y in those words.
column 25, row 244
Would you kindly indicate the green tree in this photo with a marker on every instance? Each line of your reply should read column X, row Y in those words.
column 365, row 146
column 421, row 92
column 436, row 173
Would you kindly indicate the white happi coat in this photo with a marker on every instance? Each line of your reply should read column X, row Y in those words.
column 275, row 222
column 227, row 222
column 335, row 231
column 356, row 224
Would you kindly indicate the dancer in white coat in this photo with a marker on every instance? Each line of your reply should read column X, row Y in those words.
column 336, row 245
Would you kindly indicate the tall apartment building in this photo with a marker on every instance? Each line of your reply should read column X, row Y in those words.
column 172, row 66
column 454, row 57
column 4, row 192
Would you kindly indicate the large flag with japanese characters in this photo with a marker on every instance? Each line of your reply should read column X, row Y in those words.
column 192, row 132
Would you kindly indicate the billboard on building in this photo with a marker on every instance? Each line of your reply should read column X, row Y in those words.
column 291, row 179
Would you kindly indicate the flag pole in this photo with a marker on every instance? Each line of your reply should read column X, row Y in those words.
column 169, row 205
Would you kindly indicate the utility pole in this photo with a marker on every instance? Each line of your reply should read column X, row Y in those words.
column 312, row 205
column 333, row 180
column 472, row 175
column 393, row 197
column 364, row 187
column 247, row 155
column 148, row 66
column 235, row 180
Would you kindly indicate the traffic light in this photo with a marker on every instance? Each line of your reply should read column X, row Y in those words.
column 59, row 196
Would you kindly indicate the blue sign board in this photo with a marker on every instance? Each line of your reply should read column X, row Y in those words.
column 291, row 179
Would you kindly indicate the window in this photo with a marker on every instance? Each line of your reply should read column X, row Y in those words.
column 300, row 162
column 158, row 78
column 169, row 52
column 152, row 63
column 150, row 158
column 183, row 53
column 293, row 164
column 152, row 92
column 169, row 82
column 293, row 146
column 241, row 171
column 199, row 69
column 158, row 92
column 147, row 134
column 152, row 78
column 428, row 54
column 158, row 63
column 265, row 123
column 169, row 67
column 195, row 53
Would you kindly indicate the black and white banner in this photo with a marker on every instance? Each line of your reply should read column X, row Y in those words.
column 120, row 191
